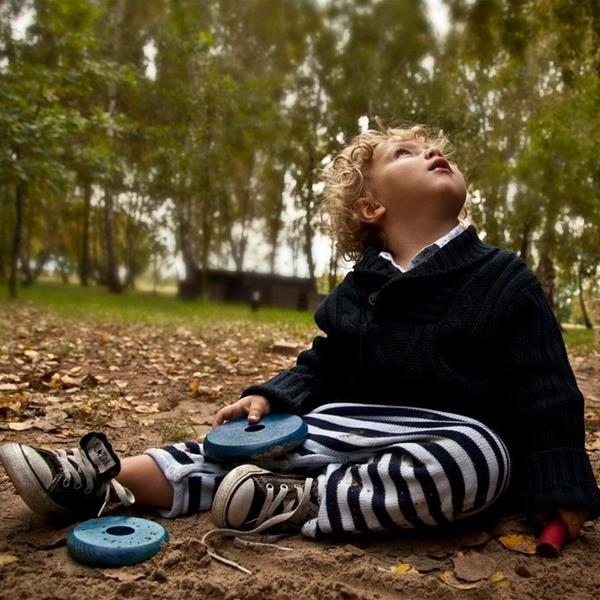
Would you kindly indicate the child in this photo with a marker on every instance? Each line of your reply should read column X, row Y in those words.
column 441, row 382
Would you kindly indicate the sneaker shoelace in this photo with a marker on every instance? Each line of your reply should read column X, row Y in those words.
column 77, row 468
column 294, row 508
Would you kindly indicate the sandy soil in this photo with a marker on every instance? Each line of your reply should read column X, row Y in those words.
column 146, row 386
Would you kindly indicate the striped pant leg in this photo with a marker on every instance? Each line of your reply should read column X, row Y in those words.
column 194, row 477
column 400, row 467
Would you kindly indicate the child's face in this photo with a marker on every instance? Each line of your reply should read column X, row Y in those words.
column 415, row 183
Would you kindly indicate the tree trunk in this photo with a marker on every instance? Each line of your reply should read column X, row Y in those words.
column 276, row 222
column 547, row 275
column 333, row 267
column 584, row 311
column 85, row 257
column 308, row 224
column 207, row 220
column 525, row 251
column 17, row 240
column 188, row 288
column 113, row 281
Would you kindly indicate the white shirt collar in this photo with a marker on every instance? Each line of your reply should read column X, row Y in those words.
column 426, row 252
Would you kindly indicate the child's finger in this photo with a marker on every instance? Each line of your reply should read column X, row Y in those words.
column 573, row 519
column 258, row 407
column 231, row 411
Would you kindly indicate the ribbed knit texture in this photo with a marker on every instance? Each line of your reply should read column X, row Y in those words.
column 469, row 331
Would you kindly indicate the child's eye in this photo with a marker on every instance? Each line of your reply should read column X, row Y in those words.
column 401, row 151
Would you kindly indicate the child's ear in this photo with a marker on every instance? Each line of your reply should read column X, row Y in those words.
column 368, row 210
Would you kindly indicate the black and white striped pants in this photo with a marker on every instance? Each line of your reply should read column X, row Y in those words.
column 377, row 468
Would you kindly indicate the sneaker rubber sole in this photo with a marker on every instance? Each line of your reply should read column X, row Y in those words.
column 25, row 481
column 231, row 482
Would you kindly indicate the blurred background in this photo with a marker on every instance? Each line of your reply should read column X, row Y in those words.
column 156, row 143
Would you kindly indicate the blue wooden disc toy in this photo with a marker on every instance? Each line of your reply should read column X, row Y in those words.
column 273, row 435
column 115, row 541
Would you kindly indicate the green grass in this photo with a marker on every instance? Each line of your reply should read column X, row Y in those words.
column 579, row 340
column 146, row 307
column 95, row 303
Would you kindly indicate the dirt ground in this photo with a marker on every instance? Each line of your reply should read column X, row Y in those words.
column 145, row 386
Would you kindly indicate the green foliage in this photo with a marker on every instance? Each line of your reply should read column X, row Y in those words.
column 100, row 159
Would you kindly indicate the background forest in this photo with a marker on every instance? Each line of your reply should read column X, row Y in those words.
column 132, row 131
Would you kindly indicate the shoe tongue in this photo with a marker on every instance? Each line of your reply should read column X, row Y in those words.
column 99, row 452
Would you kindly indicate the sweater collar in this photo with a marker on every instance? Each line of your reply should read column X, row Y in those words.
column 458, row 253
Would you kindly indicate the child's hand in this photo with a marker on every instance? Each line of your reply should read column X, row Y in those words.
column 253, row 406
column 573, row 518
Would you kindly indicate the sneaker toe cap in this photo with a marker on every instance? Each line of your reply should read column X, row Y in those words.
column 240, row 502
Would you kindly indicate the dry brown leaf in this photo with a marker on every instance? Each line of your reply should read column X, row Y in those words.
column 473, row 566
column 46, row 538
column 7, row 559
column 11, row 377
column 283, row 347
column 449, row 578
column 70, row 382
column 54, row 382
column 43, row 425
column 498, row 579
column 20, row 426
column 525, row 544
column 147, row 409
column 8, row 387
column 13, row 399
column 424, row 564
column 32, row 355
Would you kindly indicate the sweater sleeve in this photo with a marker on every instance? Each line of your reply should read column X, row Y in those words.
column 547, row 405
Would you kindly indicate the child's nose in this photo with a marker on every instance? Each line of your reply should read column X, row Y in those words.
column 433, row 151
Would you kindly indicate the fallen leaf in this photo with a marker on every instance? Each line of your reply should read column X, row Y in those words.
column 43, row 425
column 54, row 382
column 46, row 538
column 10, row 377
column 424, row 564
column 22, row 426
column 403, row 569
column 473, row 566
column 498, row 579
column 286, row 348
column 7, row 559
column 147, row 408
column 8, row 387
column 525, row 544
column 70, row 382
column 449, row 578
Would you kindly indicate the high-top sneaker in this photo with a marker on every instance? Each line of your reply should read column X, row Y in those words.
column 256, row 500
column 66, row 481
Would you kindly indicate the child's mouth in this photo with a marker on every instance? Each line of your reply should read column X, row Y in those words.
column 440, row 164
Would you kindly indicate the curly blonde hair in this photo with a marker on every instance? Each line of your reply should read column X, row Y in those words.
column 346, row 181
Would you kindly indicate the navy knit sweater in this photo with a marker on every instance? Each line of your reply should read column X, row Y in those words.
column 469, row 331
